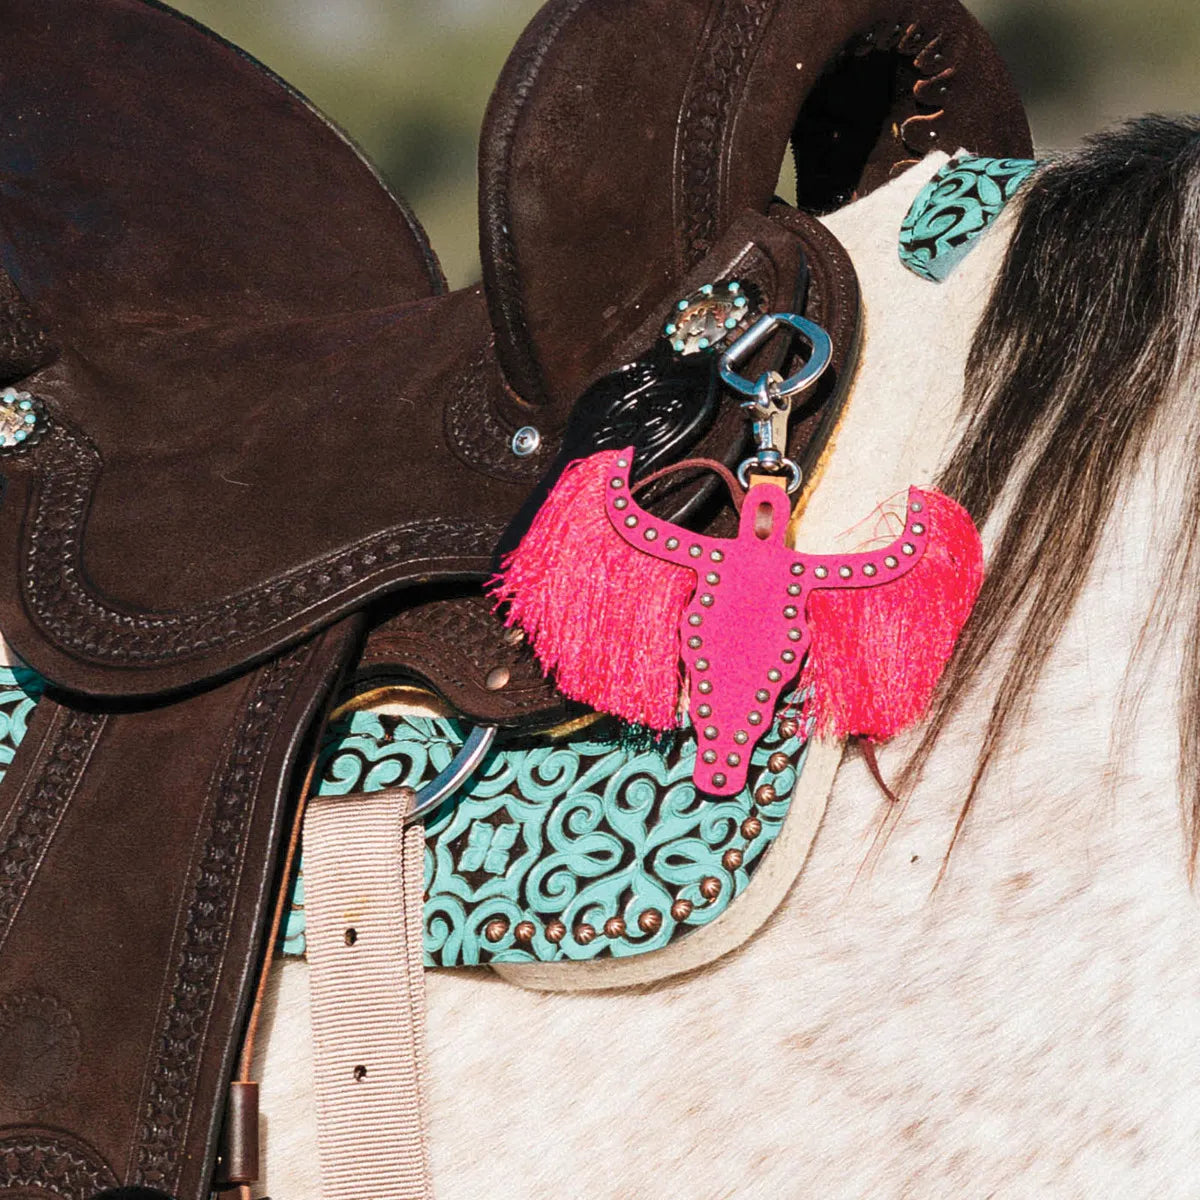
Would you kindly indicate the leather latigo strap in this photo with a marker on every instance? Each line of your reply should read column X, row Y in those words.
column 137, row 865
column 243, row 338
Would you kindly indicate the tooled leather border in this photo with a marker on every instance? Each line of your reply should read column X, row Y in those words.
column 86, row 625
column 50, row 1163
column 474, row 431
column 733, row 37
column 168, row 1095
column 35, row 817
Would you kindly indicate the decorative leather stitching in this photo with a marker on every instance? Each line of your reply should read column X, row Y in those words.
column 24, row 344
column 476, row 433
column 40, row 807
column 733, row 37
column 86, row 625
column 170, row 1090
column 47, row 1163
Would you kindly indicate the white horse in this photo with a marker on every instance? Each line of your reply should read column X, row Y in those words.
column 1021, row 1018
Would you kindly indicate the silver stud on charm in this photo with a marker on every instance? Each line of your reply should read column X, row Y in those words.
column 790, row 612
column 869, row 570
column 710, row 732
column 695, row 551
column 774, row 675
column 631, row 521
column 762, row 695
column 908, row 548
column 712, row 579
column 733, row 759
column 704, row 687
column 702, row 664
column 794, row 635
column 695, row 619
column 705, row 710
column 622, row 463
column 793, row 589
column 718, row 780
column 755, row 718
column 890, row 562
column 616, row 483
column 672, row 543
column 709, row 756
column 788, row 656
column 741, row 737
column 797, row 568
column 620, row 503
column 695, row 643
column 706, row 600
column 717, row 556
column 526, row 441
column 821, row 572
column 916, row 506
column 650, row 535
column 918, row 528
column 845, row 572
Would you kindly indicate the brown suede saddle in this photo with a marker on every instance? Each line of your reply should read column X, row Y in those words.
column 265, row 451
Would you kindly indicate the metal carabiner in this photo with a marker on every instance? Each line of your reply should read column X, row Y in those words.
column 820, row 357
column 770, row 404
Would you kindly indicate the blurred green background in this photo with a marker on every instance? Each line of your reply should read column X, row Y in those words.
column 409, row 79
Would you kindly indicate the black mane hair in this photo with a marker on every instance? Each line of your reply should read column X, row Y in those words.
column 1091, row 327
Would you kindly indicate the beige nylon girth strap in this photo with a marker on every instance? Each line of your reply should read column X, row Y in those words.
column 364, row 913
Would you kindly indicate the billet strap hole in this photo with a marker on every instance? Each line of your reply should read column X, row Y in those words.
column 350, row 936
column 360, row 1073
column 764, row 521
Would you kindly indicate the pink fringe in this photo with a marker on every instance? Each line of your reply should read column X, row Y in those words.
column 602, row 618
column 877, row 652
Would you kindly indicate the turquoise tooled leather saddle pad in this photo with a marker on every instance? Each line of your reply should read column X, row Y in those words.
column 569, row 850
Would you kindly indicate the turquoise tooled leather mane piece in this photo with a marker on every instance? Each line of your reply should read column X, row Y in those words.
column 954, row 208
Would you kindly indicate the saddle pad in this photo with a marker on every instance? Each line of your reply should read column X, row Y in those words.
column 20, row 690
column 535, row 858
column 532, row 861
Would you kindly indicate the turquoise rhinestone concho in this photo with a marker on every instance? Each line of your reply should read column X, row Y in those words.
column 715, row 314
column 22, row 420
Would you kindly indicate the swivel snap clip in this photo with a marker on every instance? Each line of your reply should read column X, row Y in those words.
column 769, row 403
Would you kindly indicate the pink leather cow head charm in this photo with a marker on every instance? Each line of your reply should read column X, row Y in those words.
column 616, row 601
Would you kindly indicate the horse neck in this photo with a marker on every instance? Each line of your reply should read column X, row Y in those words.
column 899, row 422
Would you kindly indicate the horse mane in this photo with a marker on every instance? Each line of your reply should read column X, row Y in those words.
column 1090, row 329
